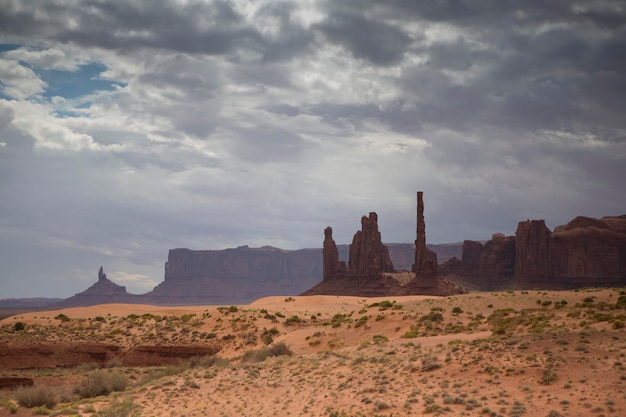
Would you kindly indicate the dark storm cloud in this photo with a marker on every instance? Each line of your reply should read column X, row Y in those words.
column 374, row 41
column 197, row 27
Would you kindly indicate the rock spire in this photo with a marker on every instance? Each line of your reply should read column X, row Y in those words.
column 425, row 265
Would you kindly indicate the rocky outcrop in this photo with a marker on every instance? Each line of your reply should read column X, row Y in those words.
column 488, row 266
column 370, row 271
column 368, row 259
column 104, row 291
column 584, row 252
column 333, row 267
column 368, row 256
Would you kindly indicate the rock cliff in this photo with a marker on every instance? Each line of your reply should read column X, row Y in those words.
column 584, row 252
column 532, row 252
column 233, row 276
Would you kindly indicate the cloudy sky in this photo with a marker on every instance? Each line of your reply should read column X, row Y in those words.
column 129, row 128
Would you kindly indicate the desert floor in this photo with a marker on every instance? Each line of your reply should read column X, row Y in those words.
column 522, row 353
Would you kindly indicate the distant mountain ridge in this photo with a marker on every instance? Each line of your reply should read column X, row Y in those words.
column 234, row 275
column 585, row 252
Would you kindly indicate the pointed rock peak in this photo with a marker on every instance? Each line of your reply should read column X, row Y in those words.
column 101, row 275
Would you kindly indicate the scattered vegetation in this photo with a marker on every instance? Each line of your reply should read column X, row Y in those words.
column 36, row 396
column 101, row 383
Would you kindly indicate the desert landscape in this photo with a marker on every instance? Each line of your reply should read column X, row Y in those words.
column 510, row 353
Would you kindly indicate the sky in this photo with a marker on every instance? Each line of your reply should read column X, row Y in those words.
column 130, row 128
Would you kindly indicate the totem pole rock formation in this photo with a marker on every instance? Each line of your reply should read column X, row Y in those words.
column 368, row 256
column 425, row 265
column 333, row 268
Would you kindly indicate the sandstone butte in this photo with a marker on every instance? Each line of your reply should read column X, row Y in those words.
column 585, row 252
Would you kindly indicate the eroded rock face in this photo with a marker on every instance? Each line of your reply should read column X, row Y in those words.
column 588, row 249
column 584, row 252
column 532, row 252
column 368, row 256
column 489, row 266
column 54, row 355
column 238, row 275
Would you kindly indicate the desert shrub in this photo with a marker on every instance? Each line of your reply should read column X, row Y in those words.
column 259, row 355
column 457, row 310
column 548, row 376
column 432, row 316
column 9, row 405
column 617, row 324
column 62, row 317
column 280, row 349
column 381, row 405
column 120, row 409
column 207, row 361
column 186, row 317
column 158, row 373
column 430, row 363
column 19, row 326
column 36, row 396
column 268, row 335
column 338, row 319
column 101, row 383
column 361, row 321
column 40, row 410
column 293, row 320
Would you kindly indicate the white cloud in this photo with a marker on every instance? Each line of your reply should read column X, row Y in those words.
column 48, row 131
column 18, row 81
column 65, row 59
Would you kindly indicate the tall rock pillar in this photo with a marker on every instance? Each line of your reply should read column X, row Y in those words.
column 425, row 265
column 333, row 268
column 532, row 252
